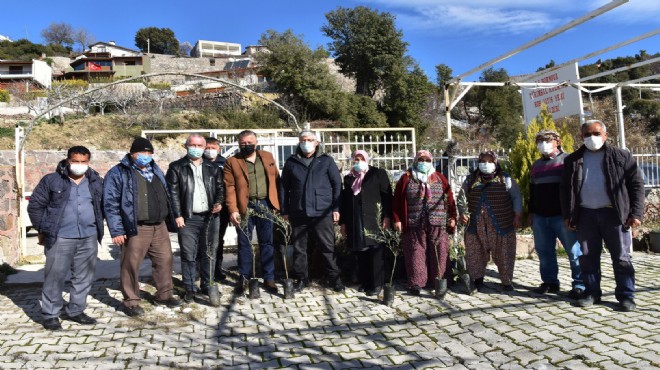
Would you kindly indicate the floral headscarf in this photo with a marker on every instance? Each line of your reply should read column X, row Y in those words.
column 425, row 189
column 359, row 176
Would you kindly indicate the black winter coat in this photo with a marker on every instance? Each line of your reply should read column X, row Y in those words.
column 360, row 211
column 181, row 183
column 49, row 199
column 625, row 184
column 310, row 191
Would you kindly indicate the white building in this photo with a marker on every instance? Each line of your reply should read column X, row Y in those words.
column 4, row 38
column 215, row 49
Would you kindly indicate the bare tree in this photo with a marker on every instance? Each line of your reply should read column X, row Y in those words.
column 58, row 34
column 185, row 48
column 84, row 38
column 60, row 91
column 123, row 96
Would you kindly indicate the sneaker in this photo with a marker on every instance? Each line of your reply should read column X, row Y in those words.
column 587, row 300
column 189, row 296
column 547, row 288
column 507, row 288
column 576, row 293
column 241, row 286
column 361, row 289
column 134, row 311
column 219, row 276
column 52, row 324
column 82, row 319
column 170, row 302
column 627, row 305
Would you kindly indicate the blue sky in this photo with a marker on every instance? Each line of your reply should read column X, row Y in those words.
column 462, row 34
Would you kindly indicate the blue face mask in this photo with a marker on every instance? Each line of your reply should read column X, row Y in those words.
column 424, row 167
column 307, row 146
column 143, row 159
column 195, row 153
column 360, row 166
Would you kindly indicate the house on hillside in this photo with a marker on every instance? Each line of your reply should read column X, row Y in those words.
column 242, row 72
column 25, row 75
column 215, row 49
column 107, row 61
column 4, row 38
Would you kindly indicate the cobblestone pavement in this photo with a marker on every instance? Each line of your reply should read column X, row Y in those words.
column 320, row 329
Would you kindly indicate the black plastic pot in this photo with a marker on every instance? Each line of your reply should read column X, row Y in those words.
column 465, row 284
column 288, row 289
column 440, row 288
column 388, row 295
column 214, row 295
column 254, row 291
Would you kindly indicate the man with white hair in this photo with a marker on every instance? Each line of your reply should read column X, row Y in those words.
column 310, row 190
column 602, row 197
column 197, row 191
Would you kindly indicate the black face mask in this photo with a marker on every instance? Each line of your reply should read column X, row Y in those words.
column 247, row 150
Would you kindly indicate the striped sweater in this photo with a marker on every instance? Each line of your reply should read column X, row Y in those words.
column 544, row 186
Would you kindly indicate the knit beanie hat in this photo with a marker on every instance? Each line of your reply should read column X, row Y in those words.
column 141, row 144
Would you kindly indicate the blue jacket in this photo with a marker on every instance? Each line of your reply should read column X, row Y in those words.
column 120, row 198
column 49, row 199
column 310, row 191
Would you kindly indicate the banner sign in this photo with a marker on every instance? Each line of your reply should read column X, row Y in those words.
column 561, row 101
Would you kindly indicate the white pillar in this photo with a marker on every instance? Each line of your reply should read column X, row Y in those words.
column 619, row 112
column 448, row 110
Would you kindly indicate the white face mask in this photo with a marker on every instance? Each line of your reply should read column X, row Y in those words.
column 210, row 153
column 486, row 168
column 78, row 169
column 593, row 143
column 307, row 146
column 545, row 148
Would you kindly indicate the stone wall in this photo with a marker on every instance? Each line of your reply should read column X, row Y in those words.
column 171, row 63
column 9, row 250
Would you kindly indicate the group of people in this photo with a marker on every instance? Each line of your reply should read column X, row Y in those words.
column 593, row 195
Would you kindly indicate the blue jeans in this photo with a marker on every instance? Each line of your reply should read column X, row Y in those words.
column 546, row 232
column 77, row 256
column 596, row 226
column 200, row 232
column 264, row 236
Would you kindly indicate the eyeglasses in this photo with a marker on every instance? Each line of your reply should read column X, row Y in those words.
column 425, row 160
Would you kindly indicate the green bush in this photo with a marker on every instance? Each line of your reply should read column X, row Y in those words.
column 6, row 132
column 524, row 152
column 4, row 96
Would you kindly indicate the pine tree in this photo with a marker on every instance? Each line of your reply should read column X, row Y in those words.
column 524, row 152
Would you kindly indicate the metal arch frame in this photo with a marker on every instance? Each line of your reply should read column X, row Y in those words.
column 451, row 102
column 24, row 132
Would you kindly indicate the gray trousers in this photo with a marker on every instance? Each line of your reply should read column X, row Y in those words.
column 77, row 256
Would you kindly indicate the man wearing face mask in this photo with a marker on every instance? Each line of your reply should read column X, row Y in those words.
column 251, row 181
column 545, row 216
column 138, row 211
column 311, row 186
column 197, row 193
column 66, row 209
column 602, row 197
column 212, row 155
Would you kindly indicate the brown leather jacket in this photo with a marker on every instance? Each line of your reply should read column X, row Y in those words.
column 236, row 182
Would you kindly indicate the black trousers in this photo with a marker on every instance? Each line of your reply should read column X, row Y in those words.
column 224, row 222
column 370, row 267
column 323, row 232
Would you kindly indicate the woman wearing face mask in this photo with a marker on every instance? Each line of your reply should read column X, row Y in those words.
column 365, row 187
column 495, row 207
column 425, row 211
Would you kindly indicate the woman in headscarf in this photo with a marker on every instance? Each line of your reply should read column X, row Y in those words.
column 495, row 210
column 425, row 211
column 365, row 187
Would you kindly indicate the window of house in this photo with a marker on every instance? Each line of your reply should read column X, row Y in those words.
column 212, row 62
column 15, row 70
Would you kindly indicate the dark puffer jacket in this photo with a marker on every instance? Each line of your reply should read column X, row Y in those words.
column 310, row 191
column 49, row 199
column 181, row 182
column 120, row 198
column 624, row 182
